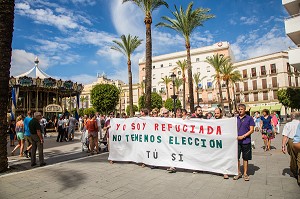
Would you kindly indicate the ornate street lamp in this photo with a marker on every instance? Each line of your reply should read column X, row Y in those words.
column 174, row 97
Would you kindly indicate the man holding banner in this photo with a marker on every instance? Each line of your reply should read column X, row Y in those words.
column 245, row 125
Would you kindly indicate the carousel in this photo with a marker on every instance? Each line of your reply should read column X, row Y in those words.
column 36, row 91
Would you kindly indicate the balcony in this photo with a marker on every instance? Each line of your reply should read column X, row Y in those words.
column 291, row 6
column 294, row 58
column 292, row 28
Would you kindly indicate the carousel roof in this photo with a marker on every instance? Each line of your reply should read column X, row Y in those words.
column 35, row 72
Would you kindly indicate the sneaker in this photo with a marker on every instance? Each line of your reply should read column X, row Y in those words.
column 26, row 154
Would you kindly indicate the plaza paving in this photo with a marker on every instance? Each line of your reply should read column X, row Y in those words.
column 93, row 176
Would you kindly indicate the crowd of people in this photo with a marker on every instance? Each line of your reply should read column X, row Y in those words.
column 29, row 132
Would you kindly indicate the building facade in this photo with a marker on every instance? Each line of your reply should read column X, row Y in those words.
column 165, row 65
column 292, row 29
column 124, row 90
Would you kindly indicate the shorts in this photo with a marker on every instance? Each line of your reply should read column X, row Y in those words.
column 20, row 136
column 93, row 134
column 28, row 140
column 71, row 130
column 246, row 150
column 11, row 136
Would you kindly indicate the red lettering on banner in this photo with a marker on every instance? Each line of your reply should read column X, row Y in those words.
column 156, row 127
column 169, row 127
column 132, row 126
column 193, row 129
column 210, row 130
column 177, row 128
column 118, row 126
column 184, row 128
column 219, row 132
column 201, row 129
column 163, row 127
column 144, row 125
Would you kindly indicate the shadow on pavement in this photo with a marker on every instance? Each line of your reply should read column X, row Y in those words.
column 287, row 171
column 252, row 169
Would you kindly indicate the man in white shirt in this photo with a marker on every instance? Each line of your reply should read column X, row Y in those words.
column 288, row 133
column 98, row 120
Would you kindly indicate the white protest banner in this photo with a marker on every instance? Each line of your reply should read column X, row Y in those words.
column 197, row 144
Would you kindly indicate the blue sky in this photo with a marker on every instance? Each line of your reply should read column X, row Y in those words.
column 72, row 38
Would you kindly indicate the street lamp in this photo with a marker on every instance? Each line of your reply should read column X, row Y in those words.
column 120, row 89
column 174, row 97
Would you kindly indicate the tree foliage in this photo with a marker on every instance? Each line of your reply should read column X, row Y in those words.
column 105, row 97
column 89, row 111
column 169, row 104
column 156, row 101
column 289, row 97
column 135, row 109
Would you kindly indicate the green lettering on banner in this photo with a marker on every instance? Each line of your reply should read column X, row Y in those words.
column 159, row 139
column 114, row 138
column 127, row 138
column 132, row 137
column 203, row 142
column 219, row 144
column 146, row 138
column 197, row 141
column 152, row 138
column 190, row 141
column 141, row 138
column 212, row 143
column 176, row 140
column 136, row 137
column 171, row 140
column 183, row 140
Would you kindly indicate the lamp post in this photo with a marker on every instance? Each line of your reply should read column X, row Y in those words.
column 120, row 89
column 174, row 97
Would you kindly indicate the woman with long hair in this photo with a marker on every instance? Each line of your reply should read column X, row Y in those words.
column 20, row 135
column 266, row 126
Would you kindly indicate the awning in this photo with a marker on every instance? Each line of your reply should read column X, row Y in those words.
column 255, row 108
column 276, row 107
column 264, row 107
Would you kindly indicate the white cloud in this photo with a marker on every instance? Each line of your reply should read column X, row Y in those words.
column 249, row 20
column 84, row 2
column 232, row 22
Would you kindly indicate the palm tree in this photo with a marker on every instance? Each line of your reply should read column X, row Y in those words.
column 6, row 34
column 166, row 80
column 182, row 65
column 178, row 82
column 82, row 100
column 127, row 47
column 185, row 23
column 230, row 75
column 197, row 80
column 142, row 86
column 217, row 61
column 148, row 6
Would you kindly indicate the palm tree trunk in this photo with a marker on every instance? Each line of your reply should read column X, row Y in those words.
column 190, row 77
column 6, row 34
column 148, row 66
column 167, row 88
column 221, row 94
column 130, row 88
column 229, row 99
column 183, row 99
column 198, row 102
column 234, row 99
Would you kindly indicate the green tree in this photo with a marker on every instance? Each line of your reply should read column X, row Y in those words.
column 81, row 112
column 169, row 104
column 185, row 23
column 217, row 61
column 289, row 97
column 182, row 66
column 82, row 100
column 89, row 111
column 197, row 80
column 156, row 101
column 166, row 80
column 105, row 97
column 6, row 35
column 230, row 75
column 148, row 6
column 178, row 82
column 127, row 47
column 135, row 109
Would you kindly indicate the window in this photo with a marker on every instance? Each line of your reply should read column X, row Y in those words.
column 161, row 65
column 274, row 82
column 154, row 89
column 245, row 86
column 153, row 76
column 253, row 72
column 170, row 64
column 238, row 98
column 273, row 68
column 162, row 89
column 246, row 97
column 197, row 59
column 265, row 95
column 296, row 81
column 263, row 70
column 179, row 72
column 288, row 67
column 208, row 69
column 237, row 87
column 264, row 83
column 245, row 73
column 255, row 96
column 254, row 84
column 275, row 96
column 153, row 67
column 290, row 80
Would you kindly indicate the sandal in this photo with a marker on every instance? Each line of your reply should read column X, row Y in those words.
column 246, row 177
column 237, row 176
column 226, row 176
